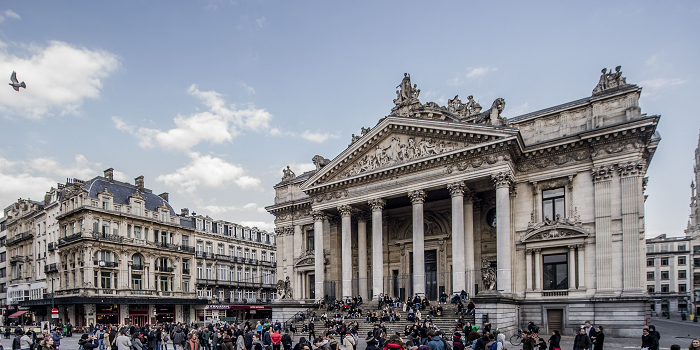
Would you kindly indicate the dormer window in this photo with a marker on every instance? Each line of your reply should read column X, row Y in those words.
column 105, row 204
column 163, row 216
column 208, row 225
column 137, row 208
column 199, row 224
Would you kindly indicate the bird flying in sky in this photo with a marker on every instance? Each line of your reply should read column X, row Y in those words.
column 15, row 84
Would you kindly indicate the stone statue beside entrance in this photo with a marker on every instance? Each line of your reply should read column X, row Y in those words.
column 488, row 275
column 284, row 289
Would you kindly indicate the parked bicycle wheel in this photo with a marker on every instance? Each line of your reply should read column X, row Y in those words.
column 516, row 339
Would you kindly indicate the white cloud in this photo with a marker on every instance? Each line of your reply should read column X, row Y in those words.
column 81, row 168
column 660, row 83
column 58, row 77
column 12, row 14
column 221, row 123
column 23, row 185
column 267, row 226
column 120, row 176
column 317, row 136
column 479, row 71
column 250, row 89
column 207, row 171
column 218, row 209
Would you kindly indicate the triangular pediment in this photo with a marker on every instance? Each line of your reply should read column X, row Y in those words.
column 399, row 142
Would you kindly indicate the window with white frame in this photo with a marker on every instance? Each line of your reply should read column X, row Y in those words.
column 553, row 203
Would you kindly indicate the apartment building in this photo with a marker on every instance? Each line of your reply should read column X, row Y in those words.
column 668, row 275
column 3, row 272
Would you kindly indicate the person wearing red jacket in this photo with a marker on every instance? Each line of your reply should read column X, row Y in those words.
column 276, row 339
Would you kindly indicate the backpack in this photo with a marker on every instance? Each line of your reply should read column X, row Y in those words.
column 494, row 346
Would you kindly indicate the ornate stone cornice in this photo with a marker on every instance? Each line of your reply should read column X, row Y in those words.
column 345, row 210
column 456, row 188
column 602, row 173
column 318, row 215
column 502, row 179
column 376, row 204
column 417, row 196
column 630, row 169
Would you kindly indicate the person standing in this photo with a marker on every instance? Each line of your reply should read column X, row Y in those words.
column 694, row 345
column 554, row 340
column 276, row 339
column 25, row 342
column 649, row 341
column 599, row 339
column 582, row 341
column 655, row 334
column 123, row 342
column 312, row 327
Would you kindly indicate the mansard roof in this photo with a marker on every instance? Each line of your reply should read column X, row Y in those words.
column 122, row 191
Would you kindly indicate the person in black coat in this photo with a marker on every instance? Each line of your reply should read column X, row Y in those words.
column 649, row 341
column 371, row 342
column 554, row 340
column 599, row 339
column 582, row 341
column 655, row 334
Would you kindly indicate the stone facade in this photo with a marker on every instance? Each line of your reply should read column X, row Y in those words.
column 693, row 230
column 526, row 214
column 107, row 251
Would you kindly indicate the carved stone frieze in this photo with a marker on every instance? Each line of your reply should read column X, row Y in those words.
column 616, row 147
column 400, row 149
column 553, row 161
column 328, row 196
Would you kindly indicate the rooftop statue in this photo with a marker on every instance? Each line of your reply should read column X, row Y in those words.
column 405, row 92
column 610, row 80
column 287, row 174
column 456, row 106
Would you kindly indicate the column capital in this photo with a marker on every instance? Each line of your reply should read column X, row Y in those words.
column 630, row 169
column 345, row 210
column 537, row 250
column 456, row 188
column 318, row 215
column 417, row 196
column 602, row 173
column 528, row 251
column 581, row 246
column 502, row 179
column 376, row 204
column 289, row 230
column 572, row 247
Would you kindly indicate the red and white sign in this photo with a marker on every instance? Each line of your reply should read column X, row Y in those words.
column 54, row 311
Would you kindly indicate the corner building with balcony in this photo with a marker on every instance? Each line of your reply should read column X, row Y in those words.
column 539, row 217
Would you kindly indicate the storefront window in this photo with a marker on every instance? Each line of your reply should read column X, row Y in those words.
column 107, row 313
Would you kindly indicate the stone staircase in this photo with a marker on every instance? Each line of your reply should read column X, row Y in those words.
column 446, row 322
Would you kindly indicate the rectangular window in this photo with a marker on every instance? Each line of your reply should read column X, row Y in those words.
column 664, row 288
column 696, row 262
column 137, row 208
column 199, row 271
column 163, row 237
column 310, row 240
column 220, row 249
column 254, row 255
column 696, row 277
column 106, row 280
column 650, row 248
column 163, row 216
column 115, row 228
column 105, row 228
column 209, row 272
column 664, row 247
column 555, row 274
column 650, row 275
column 199, row 224
column 681, row 260
column 682, row 288
column 664, row 275
column 136, row 282
column 553, row 203
column 682, row 274
column 186, row 266
column 186, row 241
column 186, row 285
column 105, row 204
column 137, row 232
column 664, row 261
column 650, row 289
column 696, row 249
column 650, row 262
column 681, row 247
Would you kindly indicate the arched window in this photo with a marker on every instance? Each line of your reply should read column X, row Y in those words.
column 137, row 262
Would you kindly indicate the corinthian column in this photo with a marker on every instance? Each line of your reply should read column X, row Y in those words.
column 458, row 269
column 377, row 249
column 502, row 181
column 469, row 241
column 632, row 240
column 319, row 274
column 417, row 198
column 346, row 249
column 362, row 254
column 602, row 176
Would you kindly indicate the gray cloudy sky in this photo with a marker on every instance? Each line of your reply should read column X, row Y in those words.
column 209, row 100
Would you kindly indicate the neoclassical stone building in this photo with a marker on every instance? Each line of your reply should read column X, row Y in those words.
column 539, row 217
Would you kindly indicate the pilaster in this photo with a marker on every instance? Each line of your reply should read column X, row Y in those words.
column 602, row 177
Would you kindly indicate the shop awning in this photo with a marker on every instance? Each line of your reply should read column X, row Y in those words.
column 18, row 313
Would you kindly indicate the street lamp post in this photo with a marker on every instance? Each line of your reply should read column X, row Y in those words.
column 52, row 303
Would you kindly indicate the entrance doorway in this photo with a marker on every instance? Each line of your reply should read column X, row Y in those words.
column 431, row 291
column 555, row 318
column 312, row 287
column 139, row 321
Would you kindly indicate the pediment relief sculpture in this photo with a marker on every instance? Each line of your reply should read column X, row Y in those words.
column 400, row 149
column 306, row 258
column 555, row 229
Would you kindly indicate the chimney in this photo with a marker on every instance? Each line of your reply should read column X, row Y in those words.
column 184, row 212
column 47, row 198
column 164, row 195
column 109, row 174
column 139, row 182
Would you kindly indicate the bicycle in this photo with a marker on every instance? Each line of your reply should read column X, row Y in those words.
column 517, row 339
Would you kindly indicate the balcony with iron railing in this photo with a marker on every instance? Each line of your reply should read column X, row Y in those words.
column 168, row 269
column 52, row 246
column 19, row 238
column 20, row 258
column 185, row 271
column 137, row 267
column 114, row 292
column 50, row 268
column 102, row 263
